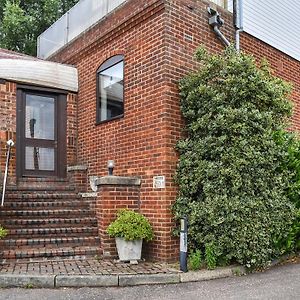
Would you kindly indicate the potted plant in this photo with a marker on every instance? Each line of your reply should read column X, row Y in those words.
column 129, row 229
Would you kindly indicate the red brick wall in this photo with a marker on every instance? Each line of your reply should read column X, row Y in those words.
column 158, row 39
column 71, row 129
column 7, row 126
column 136, row 142
column 283, row 66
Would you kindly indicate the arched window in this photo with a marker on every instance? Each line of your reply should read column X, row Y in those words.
column 110, row 89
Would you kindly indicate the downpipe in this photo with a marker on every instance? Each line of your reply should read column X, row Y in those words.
column 221, row 36
column 216, row 22
column 238, row 22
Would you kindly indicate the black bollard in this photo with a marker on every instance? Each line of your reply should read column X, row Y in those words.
column 183, row 244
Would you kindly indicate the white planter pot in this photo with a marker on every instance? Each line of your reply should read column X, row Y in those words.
column 129, row 250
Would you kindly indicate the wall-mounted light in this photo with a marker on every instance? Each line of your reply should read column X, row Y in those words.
column 110, row 166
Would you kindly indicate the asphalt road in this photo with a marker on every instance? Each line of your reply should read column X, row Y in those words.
column 278, row 283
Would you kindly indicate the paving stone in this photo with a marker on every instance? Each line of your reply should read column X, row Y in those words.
column 79, row 266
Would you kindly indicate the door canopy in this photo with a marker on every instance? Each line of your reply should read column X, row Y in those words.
column 30, row 70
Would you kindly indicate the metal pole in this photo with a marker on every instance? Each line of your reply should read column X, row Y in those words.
column 10, row 144
column 183, row 244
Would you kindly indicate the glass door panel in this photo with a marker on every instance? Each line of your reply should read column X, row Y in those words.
column 37, row 158
column 40, row 138
column 40, row 117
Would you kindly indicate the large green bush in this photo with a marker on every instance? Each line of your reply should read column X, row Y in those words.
column 231, row 183
column 291, row 144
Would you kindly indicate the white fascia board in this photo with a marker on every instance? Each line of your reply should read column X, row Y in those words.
column 43, row 73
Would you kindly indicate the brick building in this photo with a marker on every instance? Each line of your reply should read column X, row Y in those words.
column 126, row 109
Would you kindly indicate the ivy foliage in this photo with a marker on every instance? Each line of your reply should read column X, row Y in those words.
column 231, row 183
column 131, row 226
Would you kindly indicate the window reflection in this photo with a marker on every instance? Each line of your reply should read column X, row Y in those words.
column 111, row 89
column 39, row 117
column 37, row 158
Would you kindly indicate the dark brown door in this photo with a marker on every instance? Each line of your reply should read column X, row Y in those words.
column 41, row 134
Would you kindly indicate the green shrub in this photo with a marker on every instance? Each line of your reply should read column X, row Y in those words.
column 231, row 184
column 210, row 256
column 3, row 232
column 195, row 260
column 291, row 145
column 131, row 226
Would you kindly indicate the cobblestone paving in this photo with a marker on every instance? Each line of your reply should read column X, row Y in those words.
column 82, row 266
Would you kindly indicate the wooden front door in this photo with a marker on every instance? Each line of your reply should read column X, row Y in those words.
column 41, row 134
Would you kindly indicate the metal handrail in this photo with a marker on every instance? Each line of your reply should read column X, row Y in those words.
column 10, row 143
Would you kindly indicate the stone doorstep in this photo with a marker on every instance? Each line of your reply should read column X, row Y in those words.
column 58, row 281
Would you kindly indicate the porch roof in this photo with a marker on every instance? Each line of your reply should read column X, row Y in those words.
column 31, row 70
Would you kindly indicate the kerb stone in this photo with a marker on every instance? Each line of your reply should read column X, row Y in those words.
column 29, row 281
column 86, row 280
column 126, row 280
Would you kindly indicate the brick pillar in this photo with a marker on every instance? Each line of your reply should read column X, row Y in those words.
column 78, row 177
column 114, row 193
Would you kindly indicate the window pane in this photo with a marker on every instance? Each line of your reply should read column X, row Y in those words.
column 111, row 89
column 224, row 3
column 37, row 158
column 39, row 117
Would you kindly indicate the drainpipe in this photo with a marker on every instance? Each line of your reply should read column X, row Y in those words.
column 238, row 21
column 216, row 23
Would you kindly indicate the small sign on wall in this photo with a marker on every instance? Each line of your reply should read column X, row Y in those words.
column 159, row 182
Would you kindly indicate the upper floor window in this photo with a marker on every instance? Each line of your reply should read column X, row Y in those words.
column 227, row 4
column 110, row 89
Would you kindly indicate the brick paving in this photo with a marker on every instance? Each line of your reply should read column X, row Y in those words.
column 82, row 266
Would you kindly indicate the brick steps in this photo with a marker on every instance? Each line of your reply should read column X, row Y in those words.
column 28, row 205
column 51, row 252
column 39, row 188
column 32, row 196
column 52, row 232
column 28, row 243
column 53, row 222
column 43, row 213
column 46, row 218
